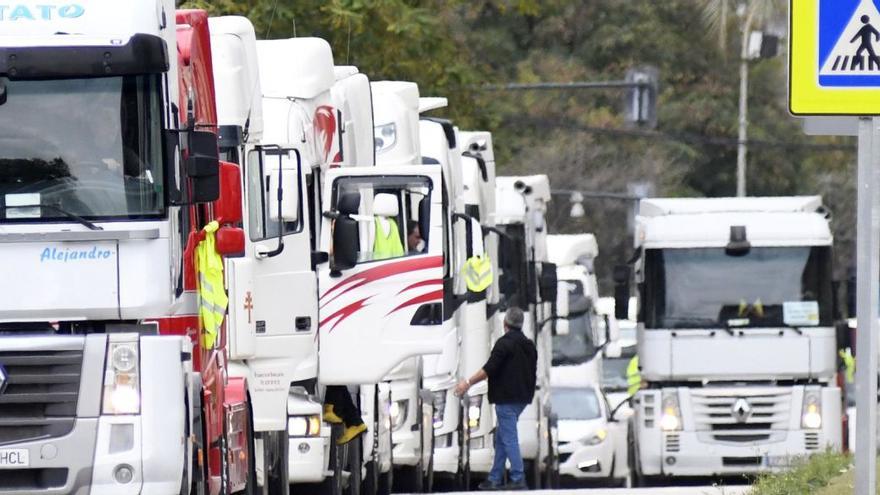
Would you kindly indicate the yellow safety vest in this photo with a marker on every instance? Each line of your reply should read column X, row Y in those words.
column 212, row 295
column 477, row 272
column 633, row 377
column 387, row 245
column 849, row 363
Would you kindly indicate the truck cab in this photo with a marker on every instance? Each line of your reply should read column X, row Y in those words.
column 528, row 280
column 740, row 375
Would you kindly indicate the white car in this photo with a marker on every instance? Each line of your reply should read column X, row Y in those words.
column 592, row 446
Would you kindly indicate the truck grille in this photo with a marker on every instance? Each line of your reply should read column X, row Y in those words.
column 673, row 442
column 811, row 440
column 741, row 416
column 39, row 400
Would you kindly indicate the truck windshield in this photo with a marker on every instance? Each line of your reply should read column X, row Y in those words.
column 766, row 287
column 578, row 345
column 575, row 403
column 91, row 147
column 614, row 374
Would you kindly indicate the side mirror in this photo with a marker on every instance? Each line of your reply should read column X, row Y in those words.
column 548, row 282
column 345, row 243
column 227, row 208
column 627, row 401
column 230, row 241
column 562, row 309
column 282, row 182
column 202, row 166
column 622, row 275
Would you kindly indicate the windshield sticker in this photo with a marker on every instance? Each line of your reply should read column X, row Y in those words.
column 800, row 313
column 22, row 205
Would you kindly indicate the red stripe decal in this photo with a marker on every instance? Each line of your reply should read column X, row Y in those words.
column 384, row 270
column 433, row 281
column 437, row 295
column 343, row 313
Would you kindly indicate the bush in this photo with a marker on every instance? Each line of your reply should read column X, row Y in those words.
column 806, row 476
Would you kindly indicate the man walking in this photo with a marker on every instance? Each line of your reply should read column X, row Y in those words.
column 512, row 372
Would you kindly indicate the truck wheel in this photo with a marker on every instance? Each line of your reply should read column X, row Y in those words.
column 275, row 457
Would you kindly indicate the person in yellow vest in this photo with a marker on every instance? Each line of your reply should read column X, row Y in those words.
column 849, row 365
column 387, row 242
column 633, row 376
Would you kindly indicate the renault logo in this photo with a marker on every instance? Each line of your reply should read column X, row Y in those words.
column 741, row 410
column 3, row 378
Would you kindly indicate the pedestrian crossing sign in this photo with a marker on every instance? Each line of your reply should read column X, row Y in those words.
column 834, row 57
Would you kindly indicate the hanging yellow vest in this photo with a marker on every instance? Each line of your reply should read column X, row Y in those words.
column 477, row 273
column 212, row 295
column 387, row 244
column 849, row 363
column 633, row 377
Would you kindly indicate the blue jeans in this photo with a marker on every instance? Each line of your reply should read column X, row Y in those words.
column 507, row 444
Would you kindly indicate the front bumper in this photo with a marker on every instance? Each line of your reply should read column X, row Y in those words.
column 695, row 455
column 586, row 461
column 306, row 463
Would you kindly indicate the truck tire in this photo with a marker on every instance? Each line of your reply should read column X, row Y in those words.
column 275, row 458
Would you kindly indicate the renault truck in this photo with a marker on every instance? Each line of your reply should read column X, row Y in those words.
column 736, row 335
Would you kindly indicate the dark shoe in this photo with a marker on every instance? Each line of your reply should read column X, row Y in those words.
column 516, row 485
column 489, row 485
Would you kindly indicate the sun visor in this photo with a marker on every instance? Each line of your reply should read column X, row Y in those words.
column 142, row 54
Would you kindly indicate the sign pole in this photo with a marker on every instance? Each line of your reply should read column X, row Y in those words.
column 868, row 299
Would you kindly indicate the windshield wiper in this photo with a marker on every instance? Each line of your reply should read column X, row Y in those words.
column 58, row 209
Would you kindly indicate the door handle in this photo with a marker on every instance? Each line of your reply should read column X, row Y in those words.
column 303, row 323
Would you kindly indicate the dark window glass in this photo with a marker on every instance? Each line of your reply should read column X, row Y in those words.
column 768, row 287
column 92, row 147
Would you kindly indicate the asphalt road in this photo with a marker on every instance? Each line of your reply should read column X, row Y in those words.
column 667, row 490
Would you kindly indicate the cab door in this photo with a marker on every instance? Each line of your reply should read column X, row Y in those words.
column 381, row 300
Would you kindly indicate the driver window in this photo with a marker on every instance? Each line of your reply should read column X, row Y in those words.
column 392, row 214
column 266, row 170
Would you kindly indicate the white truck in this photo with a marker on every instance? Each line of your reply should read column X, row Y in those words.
column 111, row 382
column 528, row 280
column 736, row 337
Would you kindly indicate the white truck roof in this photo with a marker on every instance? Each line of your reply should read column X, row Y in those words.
column 566, row 250
column 295, row 67
column 509, row 202
column 237, row 74
column 397, row 102
column 428, row 103
column 706, row 222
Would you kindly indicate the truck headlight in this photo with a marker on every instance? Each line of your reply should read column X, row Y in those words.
column 670, row 419
column 397, row 412
column 812, row 410
column 384, row 137
column 122, row 392
column 304, row 426
column 439, row 399
column 596, row 438
column 474, row 411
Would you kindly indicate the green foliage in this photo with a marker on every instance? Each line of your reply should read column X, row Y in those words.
column 808, row 476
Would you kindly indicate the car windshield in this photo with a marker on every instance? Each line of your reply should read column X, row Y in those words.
column 89, row 147
column 578, row 345
column 575, row 403
column 614, row 374
column 766, row 287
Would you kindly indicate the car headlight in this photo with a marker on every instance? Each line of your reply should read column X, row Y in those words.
column 475, row 410
column 670, row 420
column 596, row 438
column 384, row 137
column 812, row 410
column 122, row 391
column 397, row 412
column 304, row 426
column 439, row 399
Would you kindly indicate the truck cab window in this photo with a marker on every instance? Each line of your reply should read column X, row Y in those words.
column 391, row 213
column 266, row 170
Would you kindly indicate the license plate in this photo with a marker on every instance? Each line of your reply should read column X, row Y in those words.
column 14, row 458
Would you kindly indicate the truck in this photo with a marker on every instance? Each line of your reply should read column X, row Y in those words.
column 112, row 353
column 528, row 280
column 736, row 335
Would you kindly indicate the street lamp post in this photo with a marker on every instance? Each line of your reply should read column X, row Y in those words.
column 742, row 143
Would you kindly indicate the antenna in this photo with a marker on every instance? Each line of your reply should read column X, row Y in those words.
column 271, row 19
column 348, row 45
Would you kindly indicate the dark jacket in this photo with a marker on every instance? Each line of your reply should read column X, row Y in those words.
column 512, row 369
